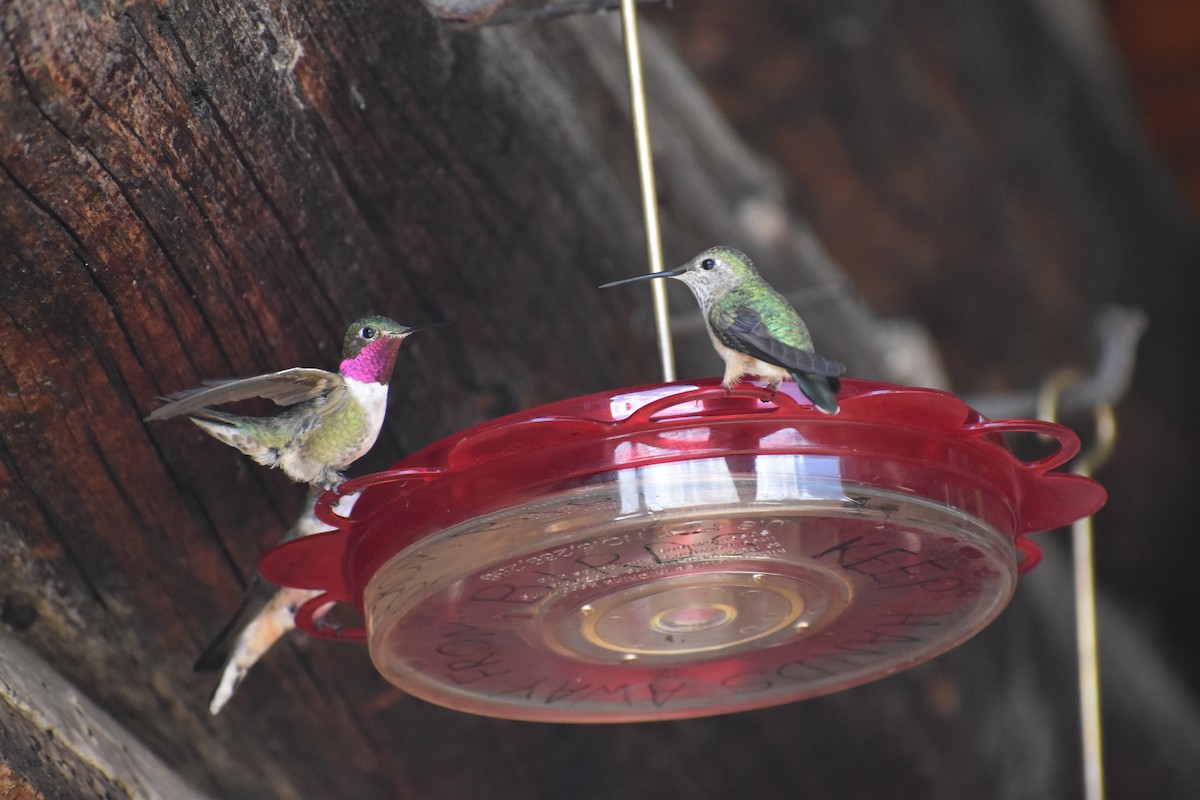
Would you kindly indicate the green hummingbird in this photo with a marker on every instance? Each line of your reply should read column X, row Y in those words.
column 753, row 328
column 267, row 614
column 333, row 419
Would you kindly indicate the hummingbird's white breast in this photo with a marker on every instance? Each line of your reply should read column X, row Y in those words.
column 372, row 398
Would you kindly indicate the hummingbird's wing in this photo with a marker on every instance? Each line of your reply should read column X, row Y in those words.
column 747, row 334
column 286, row 388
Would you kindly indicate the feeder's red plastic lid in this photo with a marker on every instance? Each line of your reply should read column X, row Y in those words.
column 679, row 550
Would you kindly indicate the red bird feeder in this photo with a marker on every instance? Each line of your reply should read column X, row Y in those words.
column 677, row 550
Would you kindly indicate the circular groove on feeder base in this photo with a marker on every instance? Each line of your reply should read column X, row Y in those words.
column 598, row 606
column 673, row 619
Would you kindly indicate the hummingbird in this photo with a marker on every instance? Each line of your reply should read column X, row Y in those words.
column 266, row 615
column 333, row 417
column 752, row 327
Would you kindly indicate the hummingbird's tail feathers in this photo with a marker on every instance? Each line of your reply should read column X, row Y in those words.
column 255, row 599
column 216, row 652
column 820, row 389
column 244, row 433
column 255, row 640
column 827, row 367
column 265, row 615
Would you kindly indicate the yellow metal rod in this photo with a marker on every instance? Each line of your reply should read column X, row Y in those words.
column 1083, row 564
column 1085, row 614
column 1089, row 658
column 641, row 135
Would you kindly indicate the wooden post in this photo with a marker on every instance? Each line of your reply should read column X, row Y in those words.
column 204, row 189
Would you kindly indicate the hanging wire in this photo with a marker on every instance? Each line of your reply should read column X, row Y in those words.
column 641, row 135
column 1085, row 581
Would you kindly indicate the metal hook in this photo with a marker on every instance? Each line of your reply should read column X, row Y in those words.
column 1091, row 459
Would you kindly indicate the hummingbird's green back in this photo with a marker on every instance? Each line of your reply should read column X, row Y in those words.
column 775, row 312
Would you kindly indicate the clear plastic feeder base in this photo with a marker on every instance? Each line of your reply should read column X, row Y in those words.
column 662, row 594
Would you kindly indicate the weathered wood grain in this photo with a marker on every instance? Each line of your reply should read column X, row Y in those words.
column 203, row 189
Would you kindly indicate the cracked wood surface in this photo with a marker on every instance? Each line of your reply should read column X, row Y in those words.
column 201, row 189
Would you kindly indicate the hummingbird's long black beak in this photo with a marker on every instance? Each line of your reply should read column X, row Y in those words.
column 431, row 326
column 667, row 273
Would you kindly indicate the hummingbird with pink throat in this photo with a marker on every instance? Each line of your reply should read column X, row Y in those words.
column 332, row 419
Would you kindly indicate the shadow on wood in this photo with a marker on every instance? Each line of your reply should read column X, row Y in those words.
column 207, row 190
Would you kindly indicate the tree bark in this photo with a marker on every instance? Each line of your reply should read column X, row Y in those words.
column 203, row 189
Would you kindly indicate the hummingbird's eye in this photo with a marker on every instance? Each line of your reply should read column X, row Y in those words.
column 368, row 332
column 708, row 263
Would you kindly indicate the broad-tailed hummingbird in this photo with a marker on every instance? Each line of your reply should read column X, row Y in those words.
column 333, row 419
column 753, row 328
